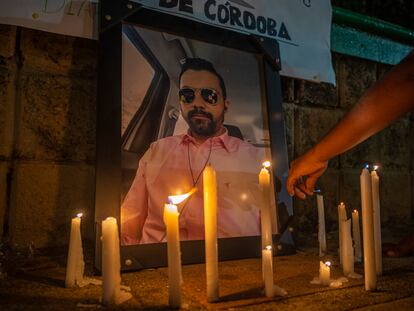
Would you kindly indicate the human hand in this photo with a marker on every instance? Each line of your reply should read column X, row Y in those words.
column 308, row 166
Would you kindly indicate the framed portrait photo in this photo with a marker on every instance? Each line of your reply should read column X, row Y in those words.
column 176, row 96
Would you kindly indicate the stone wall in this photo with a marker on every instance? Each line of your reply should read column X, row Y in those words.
column 47, row 138
column 312, row 109
column 47, row 135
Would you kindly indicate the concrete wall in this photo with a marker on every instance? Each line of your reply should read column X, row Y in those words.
column 47, row 135
column 47, row 138
column 312, row 109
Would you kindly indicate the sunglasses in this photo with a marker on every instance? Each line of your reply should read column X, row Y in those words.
column 187, row 95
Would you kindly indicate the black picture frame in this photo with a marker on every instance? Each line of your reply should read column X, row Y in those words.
column 115, row 14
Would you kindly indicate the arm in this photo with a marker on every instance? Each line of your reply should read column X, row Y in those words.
column 385, row 102
column 134, row 209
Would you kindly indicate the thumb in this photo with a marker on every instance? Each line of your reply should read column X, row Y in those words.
column 310, row 184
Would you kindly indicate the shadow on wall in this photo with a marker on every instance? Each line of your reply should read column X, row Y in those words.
column 54, row 152
column 76, row 178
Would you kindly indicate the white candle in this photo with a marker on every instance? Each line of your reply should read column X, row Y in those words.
column 377, row 220
column 75, row 264
column 210, row 228
column 174, row 257
column 325, row 272
column 341, row 218
column 267, row 259
column 265, row 216
column 356, row 235
column 347, row 249
column 368, row 231
column 321, row 231
column 111, row 267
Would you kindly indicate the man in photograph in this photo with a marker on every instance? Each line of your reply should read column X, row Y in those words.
column 174, row 165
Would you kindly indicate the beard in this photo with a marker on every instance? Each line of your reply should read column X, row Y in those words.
column 203, row 127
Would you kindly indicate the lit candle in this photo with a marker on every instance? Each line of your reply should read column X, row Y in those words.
column 321, row 231
column 347, row 249
column 356, row 235
column 368, row 231
column 325, row 272
column 171, row 219
column 210, row 229
column 265, row 216
column 75, row 264
column 267, row 259
column 174, row 258
column 111, row 267
column 377, row 220
column 341, row 218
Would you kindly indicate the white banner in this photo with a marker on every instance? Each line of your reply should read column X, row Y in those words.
column 302, row 27
column 69, row 17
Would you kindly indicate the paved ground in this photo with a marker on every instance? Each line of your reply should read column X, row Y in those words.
column 38, row 284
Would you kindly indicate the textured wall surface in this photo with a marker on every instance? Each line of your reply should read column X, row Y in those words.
column 47, row 135
column 47, row 138
column 312, row 109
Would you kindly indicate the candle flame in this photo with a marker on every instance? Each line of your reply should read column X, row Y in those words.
column 266, row 164
column 355, row 211
column 177, row 199
column 79, row 215
column 328, row 263
column 268, row 247
column 317, row 191
column 376, row 167
column 366, row 166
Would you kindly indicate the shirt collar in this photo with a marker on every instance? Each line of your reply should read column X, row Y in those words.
column 223, row 139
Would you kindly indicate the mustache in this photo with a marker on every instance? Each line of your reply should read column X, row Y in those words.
column 199, row 112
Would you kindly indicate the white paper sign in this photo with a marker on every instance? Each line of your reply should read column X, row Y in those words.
column 70, row 17
column 302, row 27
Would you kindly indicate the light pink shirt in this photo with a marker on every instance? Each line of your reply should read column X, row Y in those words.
column 165, row 170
